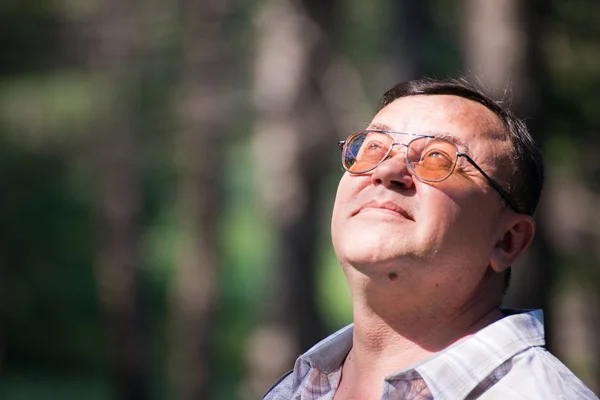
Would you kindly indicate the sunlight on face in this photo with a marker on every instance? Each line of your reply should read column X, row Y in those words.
column 387, row 219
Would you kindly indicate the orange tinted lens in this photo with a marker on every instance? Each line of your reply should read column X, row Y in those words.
column 365, row 150
column 432, row 159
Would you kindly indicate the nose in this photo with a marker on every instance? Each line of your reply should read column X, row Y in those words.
column 394, row 171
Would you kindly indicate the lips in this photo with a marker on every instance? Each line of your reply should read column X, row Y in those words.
column 385, row 205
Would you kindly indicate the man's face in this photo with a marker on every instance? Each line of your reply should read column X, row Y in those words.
column 388, row 222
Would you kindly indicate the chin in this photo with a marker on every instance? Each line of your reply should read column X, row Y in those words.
column 370, row 249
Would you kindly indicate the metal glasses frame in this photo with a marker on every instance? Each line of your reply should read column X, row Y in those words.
column 505, row 196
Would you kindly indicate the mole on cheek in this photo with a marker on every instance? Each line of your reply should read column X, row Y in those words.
column 393, row 276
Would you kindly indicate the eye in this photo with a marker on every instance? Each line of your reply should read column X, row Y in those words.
column 436, row 158
column 373, row 151
column 373, row 145
column 434, row 153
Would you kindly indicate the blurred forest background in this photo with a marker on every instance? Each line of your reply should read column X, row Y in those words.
column 168, row 169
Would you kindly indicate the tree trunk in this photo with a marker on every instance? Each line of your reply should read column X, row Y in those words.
column 203, row 111
column 412, row 45
column 110, row 53
column 117, row 269
column 294, row 138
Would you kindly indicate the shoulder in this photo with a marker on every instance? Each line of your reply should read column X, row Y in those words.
column 282, row 388
column 536, row 373
column 323, row 359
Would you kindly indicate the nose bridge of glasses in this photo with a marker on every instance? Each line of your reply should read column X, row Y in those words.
column 409, row 141
column 399, row 151
column 404, row 139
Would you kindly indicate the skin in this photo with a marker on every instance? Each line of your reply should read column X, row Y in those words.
column 423, row 261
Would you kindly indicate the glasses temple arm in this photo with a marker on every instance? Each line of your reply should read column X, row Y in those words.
column 494, row 184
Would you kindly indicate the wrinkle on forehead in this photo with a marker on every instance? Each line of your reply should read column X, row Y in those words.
column 490, row 125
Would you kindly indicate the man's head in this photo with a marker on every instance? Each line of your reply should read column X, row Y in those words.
column 389, row 223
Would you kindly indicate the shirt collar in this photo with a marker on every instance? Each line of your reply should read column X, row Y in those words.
column 454, row 372
column 329, row 354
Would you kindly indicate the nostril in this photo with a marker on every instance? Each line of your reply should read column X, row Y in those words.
column 404, row 182
column 393, row 173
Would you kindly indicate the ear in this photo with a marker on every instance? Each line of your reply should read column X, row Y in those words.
column 514, row 239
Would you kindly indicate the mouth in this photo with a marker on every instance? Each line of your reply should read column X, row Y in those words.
column 386, row 206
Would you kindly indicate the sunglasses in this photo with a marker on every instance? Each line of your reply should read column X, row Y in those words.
column 429, row 158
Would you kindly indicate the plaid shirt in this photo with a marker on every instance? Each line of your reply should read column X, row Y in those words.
column 505, row 360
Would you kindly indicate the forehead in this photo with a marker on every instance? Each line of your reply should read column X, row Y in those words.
column 455, row 116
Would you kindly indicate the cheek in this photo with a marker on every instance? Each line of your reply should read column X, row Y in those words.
column 348, row 233
column 346, row 195
column 477, row 211
column 341, row 205
column 450, row 216
column 463, row 226
column 438, row 220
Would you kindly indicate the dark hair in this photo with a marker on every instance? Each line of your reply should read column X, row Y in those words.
column 525, row 178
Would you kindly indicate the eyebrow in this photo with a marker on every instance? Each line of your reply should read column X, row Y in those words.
column 443, row 135
column 450, row 138
column 379, row 127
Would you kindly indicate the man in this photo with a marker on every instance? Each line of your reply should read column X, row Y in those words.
column 435, row 206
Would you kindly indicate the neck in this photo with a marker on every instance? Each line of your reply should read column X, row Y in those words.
column 393, row 330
